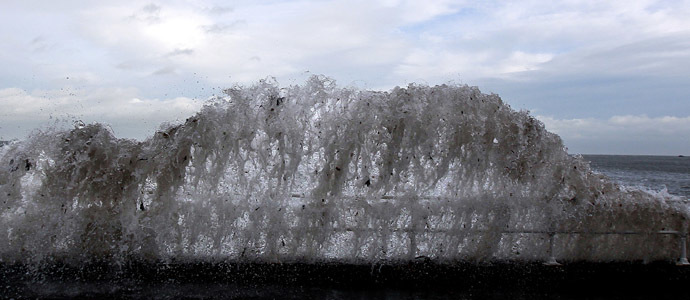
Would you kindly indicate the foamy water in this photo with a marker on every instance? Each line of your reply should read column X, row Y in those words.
column 657, row 173
column 316, row 172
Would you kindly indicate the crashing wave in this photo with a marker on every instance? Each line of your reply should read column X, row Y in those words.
column 316, row 172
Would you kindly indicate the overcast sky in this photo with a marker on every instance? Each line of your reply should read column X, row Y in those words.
column 611, row 77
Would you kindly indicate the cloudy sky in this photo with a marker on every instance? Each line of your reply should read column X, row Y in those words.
column 611, row 77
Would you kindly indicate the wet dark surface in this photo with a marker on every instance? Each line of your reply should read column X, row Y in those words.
column 417, row 280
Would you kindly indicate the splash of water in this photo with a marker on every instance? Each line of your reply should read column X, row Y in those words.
column 317, row 172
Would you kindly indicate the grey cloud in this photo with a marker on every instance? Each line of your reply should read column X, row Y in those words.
column 659, row 56
column 223, row 27
column 592, row 95
column 128, row 65
column 615, row 80
column 151, row 8
column 178, row 51
column 37, row 40
column 41, row 44
column 164, row 71
column 130, row 114
column 623, row 134
column 219, row 10
column 149, row 14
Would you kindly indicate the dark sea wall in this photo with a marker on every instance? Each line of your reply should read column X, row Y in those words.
column 499, row 279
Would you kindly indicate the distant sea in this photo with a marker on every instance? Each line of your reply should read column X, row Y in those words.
column 650, row 172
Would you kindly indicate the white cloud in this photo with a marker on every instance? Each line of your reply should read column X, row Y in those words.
column 128, row 114
column 333, row 37
column 440, row 65
column 385, row 42
column 412, row 11
column 564, row 58
column 626, row 134
column 565, row 37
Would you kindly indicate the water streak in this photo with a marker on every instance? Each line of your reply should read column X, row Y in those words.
column 316, row 172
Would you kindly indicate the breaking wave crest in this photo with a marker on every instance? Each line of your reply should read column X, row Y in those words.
column 316, row 172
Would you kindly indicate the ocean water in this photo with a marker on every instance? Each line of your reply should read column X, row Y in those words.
column 657, row 173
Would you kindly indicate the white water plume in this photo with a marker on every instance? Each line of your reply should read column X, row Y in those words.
column 316, row 173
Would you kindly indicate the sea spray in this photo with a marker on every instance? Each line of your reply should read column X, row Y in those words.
column 317, row 172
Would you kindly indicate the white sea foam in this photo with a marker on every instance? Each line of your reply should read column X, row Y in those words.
column 316, row 172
